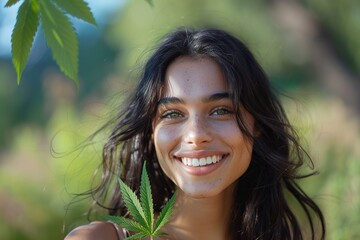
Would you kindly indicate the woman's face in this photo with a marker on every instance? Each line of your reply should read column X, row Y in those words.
column 197, row 140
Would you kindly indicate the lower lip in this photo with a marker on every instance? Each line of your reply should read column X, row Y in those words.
column 202, row 170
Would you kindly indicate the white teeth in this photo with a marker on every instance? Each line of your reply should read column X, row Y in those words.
column 196, row 162
column 209, row 160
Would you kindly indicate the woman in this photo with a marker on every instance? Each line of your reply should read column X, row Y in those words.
column 207, row 122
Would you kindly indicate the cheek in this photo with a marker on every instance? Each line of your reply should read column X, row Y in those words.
column 235, row 139
column 229, row 131
column 164, row 139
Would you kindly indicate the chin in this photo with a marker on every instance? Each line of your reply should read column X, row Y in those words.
column 199, row 193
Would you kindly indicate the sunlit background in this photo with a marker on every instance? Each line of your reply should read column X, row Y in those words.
column 309, row 48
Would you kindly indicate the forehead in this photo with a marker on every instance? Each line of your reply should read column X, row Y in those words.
column 188, row 76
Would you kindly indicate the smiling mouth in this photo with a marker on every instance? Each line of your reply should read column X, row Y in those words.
column 201, row 162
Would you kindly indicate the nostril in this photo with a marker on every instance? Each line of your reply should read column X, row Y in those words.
column 198, row 137
column 196, row 131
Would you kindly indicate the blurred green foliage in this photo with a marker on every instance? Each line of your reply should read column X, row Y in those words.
column 45, row 120
column 342, row 21
column 139, row 26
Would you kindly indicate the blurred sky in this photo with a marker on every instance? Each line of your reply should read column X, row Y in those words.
column 101, row 10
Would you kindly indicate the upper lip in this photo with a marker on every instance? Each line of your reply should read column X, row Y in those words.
column 199, row 154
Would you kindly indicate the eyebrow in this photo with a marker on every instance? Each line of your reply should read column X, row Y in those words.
column 211, row 98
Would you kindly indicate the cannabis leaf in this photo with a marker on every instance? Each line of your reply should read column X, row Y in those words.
column 142, row 211
column 78, row 9
column 11, row 2
column 27, row 22
column 59, row 32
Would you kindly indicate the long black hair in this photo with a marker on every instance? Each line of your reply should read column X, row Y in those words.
column 261, row 209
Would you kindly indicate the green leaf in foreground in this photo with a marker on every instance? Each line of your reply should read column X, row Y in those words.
column 22, row 37
column 165, row 213
column 132, row 203
column 146, row 198
column 61, row 38
column 126, row 223
column 138, row 235
column 142, row 212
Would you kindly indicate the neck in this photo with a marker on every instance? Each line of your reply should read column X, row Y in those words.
column 201, row 218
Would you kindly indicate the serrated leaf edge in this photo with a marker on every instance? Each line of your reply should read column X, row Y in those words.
column 165, row 213
column 126, row 223
column 146, row 198
column 11, row 3
column 66, row 68
column 86, row 8
column 139, row 235
column 20, row 62
column 133, row 204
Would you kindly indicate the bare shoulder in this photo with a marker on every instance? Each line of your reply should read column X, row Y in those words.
column 94, row 231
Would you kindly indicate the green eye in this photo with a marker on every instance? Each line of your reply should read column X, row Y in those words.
column 171, row 115
column 221, row 111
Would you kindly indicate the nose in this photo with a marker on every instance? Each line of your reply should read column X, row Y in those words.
column 197, row 131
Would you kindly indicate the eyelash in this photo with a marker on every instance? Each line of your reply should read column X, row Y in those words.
column 170, row 114
column 173, row 114
column 226, row 111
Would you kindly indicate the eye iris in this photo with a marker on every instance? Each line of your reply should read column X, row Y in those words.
column 171, row 115
column 174, row 115
column 220, row 112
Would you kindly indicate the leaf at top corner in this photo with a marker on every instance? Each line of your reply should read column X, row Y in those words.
column 165, row 213
column 125, row 223
column 133, row 205
column 22, row 37
column 61, row 38
column 11, row 2
column 78, row 9
column 146, row 197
